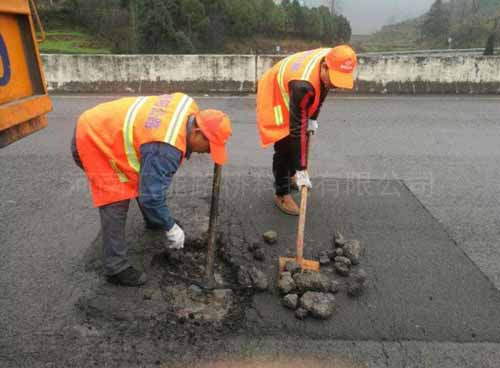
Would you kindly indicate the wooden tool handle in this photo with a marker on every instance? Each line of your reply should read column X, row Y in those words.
column 214, row 209
column 302, row 213
column 302, row 225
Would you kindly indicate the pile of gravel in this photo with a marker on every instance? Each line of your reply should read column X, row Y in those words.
column 311, row 293
column 308, row 292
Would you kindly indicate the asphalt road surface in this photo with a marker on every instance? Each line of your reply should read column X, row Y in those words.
column 440, row 153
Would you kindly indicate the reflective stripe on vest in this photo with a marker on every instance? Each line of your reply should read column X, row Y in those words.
column 128, row 133
column 177, row 120
column 121, row 176
column 312, row 63
column 281, row 84
column 306, row 75
column 278, row 115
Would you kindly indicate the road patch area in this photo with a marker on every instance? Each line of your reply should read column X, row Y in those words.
column 421, row 286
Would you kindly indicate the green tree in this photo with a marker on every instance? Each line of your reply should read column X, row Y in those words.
column 329, row 26
column 242, row 17
column 343, row 30
column 314, row 24
column 192, row 21
column 214, row 38
column 155, row 28
column 435, row 28
column 287, row 9
column 268, row 17
column 490, row 45
column 469, row 34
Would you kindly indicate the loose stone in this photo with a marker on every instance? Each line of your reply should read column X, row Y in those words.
column 258, row 254
column 223, row 295
column 320, row 305
column 334, row 286
column 259, row 279
column 148, row 294
column 352, row 250
column 301, row 313
column 338, row 240
column 355, row 289
column 244, row 277
column 286, row 283
column 311, row 281
column 195, row 290
column 324, row 259
column 342, row 269
column 291, row 301
column 270, row 237
column 343, row 260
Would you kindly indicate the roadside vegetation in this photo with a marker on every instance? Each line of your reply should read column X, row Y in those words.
column 453, row 24
column 73, row 42
column 188, row 26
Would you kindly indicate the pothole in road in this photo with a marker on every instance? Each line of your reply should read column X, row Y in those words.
column 174, row 303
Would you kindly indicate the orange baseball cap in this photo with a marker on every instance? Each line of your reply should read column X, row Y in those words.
column 342, row 61
column 216, row 127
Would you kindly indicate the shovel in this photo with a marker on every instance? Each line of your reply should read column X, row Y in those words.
column 211, row 248
column 214, row 212
column 305, row 264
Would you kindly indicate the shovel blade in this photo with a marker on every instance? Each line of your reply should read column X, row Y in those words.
column 307, row 264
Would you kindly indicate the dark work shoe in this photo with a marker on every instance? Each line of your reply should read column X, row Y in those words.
column 128, row 277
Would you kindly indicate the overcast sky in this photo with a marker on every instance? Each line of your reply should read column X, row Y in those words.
column 367, row 16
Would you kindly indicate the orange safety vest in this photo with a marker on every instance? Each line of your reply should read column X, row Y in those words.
column 109, row 137
column 273, row 95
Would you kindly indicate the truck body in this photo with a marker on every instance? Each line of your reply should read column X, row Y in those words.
column 24, row 100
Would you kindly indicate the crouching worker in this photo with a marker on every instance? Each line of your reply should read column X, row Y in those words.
column 131, row 148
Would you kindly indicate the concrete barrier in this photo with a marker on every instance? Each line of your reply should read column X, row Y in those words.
column 419, row 74
column 240, row 73
column 149, row 73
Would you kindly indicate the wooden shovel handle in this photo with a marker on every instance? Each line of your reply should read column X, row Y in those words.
column 302, row 213
column 214, row 211
column 302, row 225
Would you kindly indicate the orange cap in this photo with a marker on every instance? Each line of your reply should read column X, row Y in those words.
column 341, row 61
column 216, row 127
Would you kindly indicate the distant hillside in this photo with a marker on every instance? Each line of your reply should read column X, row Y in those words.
column 471, row 22
column 397, row 37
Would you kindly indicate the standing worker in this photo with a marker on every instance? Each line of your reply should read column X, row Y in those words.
column 131, row 148
column 289, row 99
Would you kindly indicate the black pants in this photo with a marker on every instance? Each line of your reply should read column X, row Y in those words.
column 283, row 169
column 74, row 151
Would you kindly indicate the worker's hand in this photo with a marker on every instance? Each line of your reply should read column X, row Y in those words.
column 175, row 237
column 312, row 126
column 303, row 179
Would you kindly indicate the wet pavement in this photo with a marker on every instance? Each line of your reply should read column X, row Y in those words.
column 414, row 179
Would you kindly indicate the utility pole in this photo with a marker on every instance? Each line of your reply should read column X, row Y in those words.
column 332, row 7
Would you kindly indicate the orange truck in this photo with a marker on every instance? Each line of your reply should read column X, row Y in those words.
column 24, row 101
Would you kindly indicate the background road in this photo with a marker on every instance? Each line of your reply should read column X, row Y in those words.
column 446, row 149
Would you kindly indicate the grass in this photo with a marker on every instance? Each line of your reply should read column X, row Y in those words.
column 73, row 42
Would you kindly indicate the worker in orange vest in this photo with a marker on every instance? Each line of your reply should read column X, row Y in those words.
column 289, row 99
column 131, row 148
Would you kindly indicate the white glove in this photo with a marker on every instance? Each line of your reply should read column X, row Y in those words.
column 312, row 126
column 303, row 179
column 175, row 237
